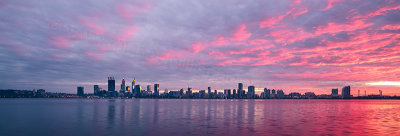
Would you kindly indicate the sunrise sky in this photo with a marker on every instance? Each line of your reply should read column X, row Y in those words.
column 295, row 45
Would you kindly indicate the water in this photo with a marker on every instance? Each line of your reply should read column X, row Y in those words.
column 198, row 117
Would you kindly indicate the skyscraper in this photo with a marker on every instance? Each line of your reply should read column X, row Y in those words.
column 96, row 89
column 79, row 91
column 280, row 94
column 346, row 92
column 111, row 84
column 181, row 92
column 267, row 93
column 133, row 84
column 335, row 92
column 234, row 93
column 136, row 90
column 189, row 92
column 123, row 86
column 149, row 89
column 240, row 90
column 156, row 89
column 251, row 91
column 209, row 90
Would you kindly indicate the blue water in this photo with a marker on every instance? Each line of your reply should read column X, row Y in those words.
column 199, row 117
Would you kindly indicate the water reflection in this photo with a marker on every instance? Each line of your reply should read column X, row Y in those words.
column 200, row 117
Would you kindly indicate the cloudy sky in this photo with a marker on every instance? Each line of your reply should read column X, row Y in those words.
column 295, row 45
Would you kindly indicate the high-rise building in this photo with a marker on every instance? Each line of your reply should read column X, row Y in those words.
column 346, row 92
column 209, row 90
column 335, row 92
column 122, row 86
column 133, row 83
column 215, row 92
column 156, row 89
column 267, row 93
column 128, row 89
column 111, row 84
column 202, row 93
column 280, row 94
column 229, row 93
column 234, row 93
column 240, row 88
column 273, row 91
column 189, row 92
column 251, row 91
column 181, row 92
column 149, row 89
column 137, row 90
column 79, row 91
column 96, row 89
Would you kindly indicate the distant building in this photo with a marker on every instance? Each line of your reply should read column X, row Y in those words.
column 251, row 91
column 310, row 95
column 41, row 91
column 96, row 90
column 240, row 89
column 335, row 92
column 181, row 92
column 136, row 90
column 280, row 94
column 133, row 84
column 189, row 92
column 122, row 86
column 79, row 91
column 128, row 89
column 202, row 93
column 111, row 84
column 346, row 92
column 166, row 91
column 294, row 95
column 149, row 88
column 156, row 89
column 267, row 93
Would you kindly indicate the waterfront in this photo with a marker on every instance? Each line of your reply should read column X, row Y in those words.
column 199, row 117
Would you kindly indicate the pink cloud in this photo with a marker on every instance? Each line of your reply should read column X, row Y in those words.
column 93, row 26
column 298, row 13
column 197, row 47
column 269, row 22
column 241, row 34
column 59, row 42
column 332, row 28
column 127, row 34
column 331, row 3
column 220, row 41
column 126, row 11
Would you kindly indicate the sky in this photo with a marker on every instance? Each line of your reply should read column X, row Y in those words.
column 294, row 45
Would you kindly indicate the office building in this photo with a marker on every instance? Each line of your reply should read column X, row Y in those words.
column 133, row 84
column 156, row 89
column 251, row 91
column 111, row 84
column 335, row 92
column 80, row 91
column 96, row 90
column 346, row 92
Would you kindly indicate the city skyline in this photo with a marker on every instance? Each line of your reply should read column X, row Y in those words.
column 293, row 45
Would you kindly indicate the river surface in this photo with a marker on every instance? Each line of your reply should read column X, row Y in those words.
column 99, row 117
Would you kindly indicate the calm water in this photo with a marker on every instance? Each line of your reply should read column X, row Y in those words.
column 199, row 117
